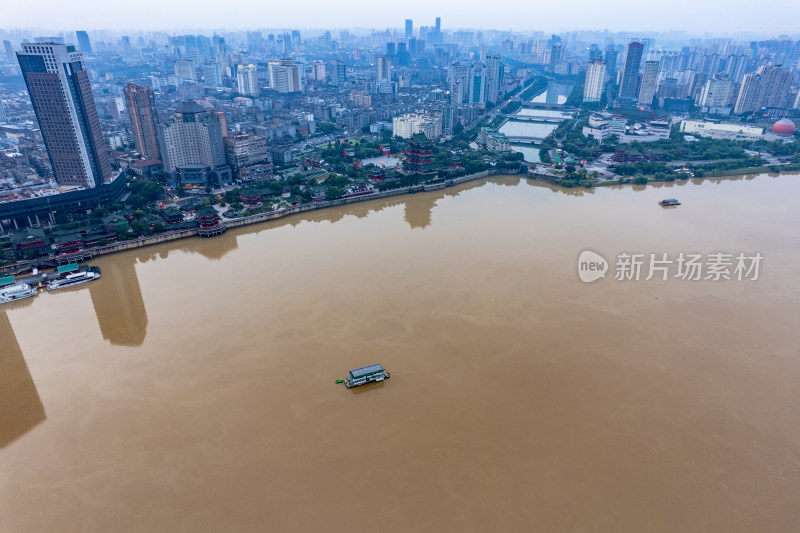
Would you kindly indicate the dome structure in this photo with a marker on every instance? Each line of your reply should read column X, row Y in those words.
column 783, row 127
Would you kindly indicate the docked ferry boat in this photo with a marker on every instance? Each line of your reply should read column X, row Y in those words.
column 18, row 291
column 76, row 278
column 669, row 202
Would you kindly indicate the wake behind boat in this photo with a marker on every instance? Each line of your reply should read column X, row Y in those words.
column 76, row 278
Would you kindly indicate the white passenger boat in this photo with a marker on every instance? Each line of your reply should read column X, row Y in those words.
column 74, row 279
column 18, row 291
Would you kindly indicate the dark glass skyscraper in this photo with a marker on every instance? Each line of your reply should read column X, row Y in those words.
column 83, row 41
column 141, row 105
column 629, row 86
column 62, row 99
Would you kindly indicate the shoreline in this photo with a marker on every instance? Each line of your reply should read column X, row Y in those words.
column 168, row 236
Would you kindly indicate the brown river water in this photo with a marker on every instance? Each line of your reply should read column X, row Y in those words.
column 192, row 387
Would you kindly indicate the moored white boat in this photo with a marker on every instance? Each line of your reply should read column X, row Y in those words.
column 18, row 291
column 73, row 279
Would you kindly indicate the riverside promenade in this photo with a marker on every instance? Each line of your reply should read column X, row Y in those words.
column 241, row 221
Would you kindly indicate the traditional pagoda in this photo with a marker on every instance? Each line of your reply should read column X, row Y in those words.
column 419, row 156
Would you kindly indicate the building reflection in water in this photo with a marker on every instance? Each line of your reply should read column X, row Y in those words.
column 21, row 410
column 118, row 304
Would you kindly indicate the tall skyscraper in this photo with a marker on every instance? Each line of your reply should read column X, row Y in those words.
column 247, row 80
column 62, row 99
column 649, row 83
column 409, row 29
column 556, row 55
column 383, row 69
column 318, row 70
column 495, row 71
column 9, row 51
column 338, row 73
column 768, row 87
column 629, row 86
column 595, row 80
column 184, row 69
column 84, row 44
column 141, row 104
column 212, row 74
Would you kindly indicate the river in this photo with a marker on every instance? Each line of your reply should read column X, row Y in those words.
column 192, row 387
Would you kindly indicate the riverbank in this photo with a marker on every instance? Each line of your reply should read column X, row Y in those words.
column 161, row 238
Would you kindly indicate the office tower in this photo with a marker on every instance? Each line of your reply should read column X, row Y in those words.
column 719, row 91
column 141, row 105
column 318, row 70
column 338, row 73
column 114, row 108
column 390, row 49
column 9, row 51
column 58, row 84
column 611, row 60
column 184, row 69
column 192, row 146
column 285, row 76
column 495, row 71
column 595, row 80
column 458, row 75
column 84, row 44
column 247, row 80
column 629, row 86
column 212, row 74
column 556, row 56
column 477, row 84
column 649, row 83
column 3, row 114
column 383, row 69
column 409, row 29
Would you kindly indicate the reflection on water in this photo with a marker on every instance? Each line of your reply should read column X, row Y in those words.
column 20, row 407
column 118, row 303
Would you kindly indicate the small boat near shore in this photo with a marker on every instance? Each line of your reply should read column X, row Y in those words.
column 76, row 278
column 18, row 291
column 669, row 202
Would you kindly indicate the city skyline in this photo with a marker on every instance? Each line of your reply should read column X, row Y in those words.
column 774, row 17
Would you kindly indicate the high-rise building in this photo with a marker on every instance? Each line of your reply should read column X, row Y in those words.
column 192, row 149
column 477, row 84
column 629, row 86
column 409, row 29
column 649, row 83
column 141, row 104
column 184, row 69
column 285, row 76
column 338, row 73
column 556, row 56
column 84, row 44
column 494, row 77
column 720, row 91
column 318, row 70
column 768, row 87
column 247, row 80
column 595, row 80
column 383, row 69
column 62, row 99
column 10, row 56
column 212, row 74
column 3, row 114
column 458, row 81
column 247, row 154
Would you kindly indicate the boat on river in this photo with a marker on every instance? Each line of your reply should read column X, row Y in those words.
column 76, row 278
column 669, row 202
column 364, row 375
column 17, row 291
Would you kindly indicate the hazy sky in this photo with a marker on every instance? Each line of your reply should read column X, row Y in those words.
column 694, row 16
